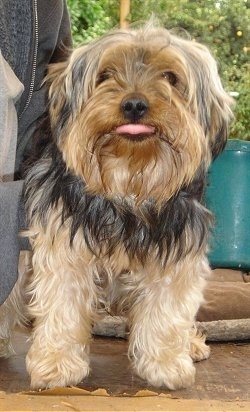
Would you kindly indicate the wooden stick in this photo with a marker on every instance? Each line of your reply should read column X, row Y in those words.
column 219, row 330
column 124, row 12
column 225, row 330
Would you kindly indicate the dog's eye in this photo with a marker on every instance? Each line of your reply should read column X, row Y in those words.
column 105, row 75
column 170, row 77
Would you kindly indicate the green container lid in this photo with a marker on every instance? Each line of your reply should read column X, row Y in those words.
column 237, row 145
column 228, row 197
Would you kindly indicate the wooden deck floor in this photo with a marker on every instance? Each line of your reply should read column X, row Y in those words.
column 224, row 377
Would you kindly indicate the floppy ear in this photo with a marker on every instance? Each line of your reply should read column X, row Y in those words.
column 72, row 82
column 55, row 80
column 67, row 87
column 220, row 119
column 216, row 113
column 213, row 103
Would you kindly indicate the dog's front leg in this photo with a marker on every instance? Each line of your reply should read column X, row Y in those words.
column 161, row 321
column 62, row 306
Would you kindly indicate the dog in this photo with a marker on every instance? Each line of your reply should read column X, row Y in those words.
column 115, row 204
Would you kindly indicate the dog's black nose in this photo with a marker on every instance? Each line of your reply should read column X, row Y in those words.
column 134, row 108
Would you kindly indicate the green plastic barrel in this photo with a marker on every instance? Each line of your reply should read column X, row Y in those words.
column 228, row 197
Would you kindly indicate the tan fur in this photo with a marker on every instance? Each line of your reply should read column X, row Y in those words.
column 149, row 295
column 111, row 165
column 72, row 286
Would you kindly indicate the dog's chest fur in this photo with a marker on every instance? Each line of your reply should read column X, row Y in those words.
column 106, row 223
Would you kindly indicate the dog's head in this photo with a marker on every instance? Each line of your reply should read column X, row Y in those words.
column 138, row 113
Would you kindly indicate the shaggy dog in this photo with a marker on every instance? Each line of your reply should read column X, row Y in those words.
column 114, row 204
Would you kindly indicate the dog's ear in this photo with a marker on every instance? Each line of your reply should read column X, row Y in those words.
column 207, row 98
column 55, row 81
column 213, row 103
column 70, row 83
column 214, row 107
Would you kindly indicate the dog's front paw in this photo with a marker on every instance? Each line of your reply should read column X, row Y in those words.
column 173, row 374
column 56, row 369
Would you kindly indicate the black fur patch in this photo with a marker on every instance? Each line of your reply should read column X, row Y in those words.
column 105, row 223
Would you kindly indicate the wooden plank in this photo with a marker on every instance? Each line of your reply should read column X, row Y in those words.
column 224, row 376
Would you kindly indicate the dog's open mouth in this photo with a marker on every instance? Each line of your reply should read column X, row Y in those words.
column 135, row 131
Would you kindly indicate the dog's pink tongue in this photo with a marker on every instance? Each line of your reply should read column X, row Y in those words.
column 135, row 129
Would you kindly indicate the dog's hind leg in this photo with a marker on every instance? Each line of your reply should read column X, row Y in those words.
column 198, row 349
column 63, row 306
column 7, row 324
column 13, row 312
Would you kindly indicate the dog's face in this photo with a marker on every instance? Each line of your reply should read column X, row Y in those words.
column 137, row 114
